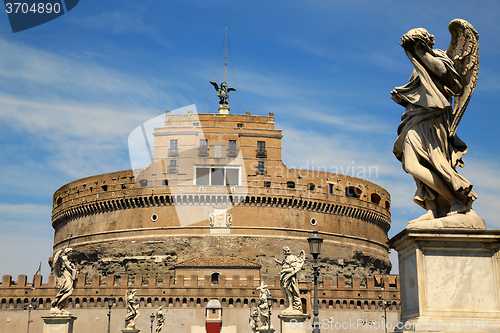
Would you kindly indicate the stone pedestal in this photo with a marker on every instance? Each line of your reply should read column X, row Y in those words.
column 265, row 330
column 58, row 324
column 294, row 323
column 449, row 279
column 130, row 331
column 223, row 109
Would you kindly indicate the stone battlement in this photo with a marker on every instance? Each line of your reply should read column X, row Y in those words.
column 196, row 291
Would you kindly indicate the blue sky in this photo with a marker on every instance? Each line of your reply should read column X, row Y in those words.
column 73, row 89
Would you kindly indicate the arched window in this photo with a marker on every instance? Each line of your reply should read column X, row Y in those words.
column 215, row 278
column 290, row 184
column 353, row 192
column 375, row 198
column 311, row 186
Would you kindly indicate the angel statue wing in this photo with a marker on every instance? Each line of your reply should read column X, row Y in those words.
column 230, row 89
column 300, row 262
column 57, row 268
column 216, row 86
column 464, row 51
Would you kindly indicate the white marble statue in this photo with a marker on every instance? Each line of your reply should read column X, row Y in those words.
column 132, row 309
column 427, row 143
column 262, row 308
column 291, row 265
column 253, row 321
column 160, row 319
column 65, row 275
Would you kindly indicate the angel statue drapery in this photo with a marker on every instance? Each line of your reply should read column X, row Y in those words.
column 427, row 143
column 65, row 275
column 132, row 309
column 291, row 265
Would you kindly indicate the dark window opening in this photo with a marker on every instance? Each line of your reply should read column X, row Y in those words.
column 375, row 198
column 239, row 125
column 104, row 187
column 267, row 184
column 143, row 182
column 215, row 278
column 311, row 186
column 330, row 188
column 353, row 192
column 290, row 184
column 124, row 186
column 261, row 168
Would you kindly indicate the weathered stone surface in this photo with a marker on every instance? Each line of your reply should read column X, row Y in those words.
column 158, row 258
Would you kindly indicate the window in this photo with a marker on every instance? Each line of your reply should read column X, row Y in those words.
column 196, row 124
column 217, row 176
column 353, row 192
column 172, row 168
column 290, row 184
column 232, row 176
column 267, row 184
column 215, row 278
column 203, row 147
column 261, row 168
column 330, row 188
column 375, row 198
column 173, row 151
column 202, row 176
column 311, row 186
column 261, row 149
column 104, row 187
column 143, row 182
column 239, row 125
column 232, row 149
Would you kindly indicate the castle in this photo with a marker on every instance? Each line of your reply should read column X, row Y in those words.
column 202, row 220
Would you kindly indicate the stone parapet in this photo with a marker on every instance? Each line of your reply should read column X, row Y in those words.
column 233, row 291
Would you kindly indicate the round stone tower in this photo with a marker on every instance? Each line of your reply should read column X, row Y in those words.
column 216, row 186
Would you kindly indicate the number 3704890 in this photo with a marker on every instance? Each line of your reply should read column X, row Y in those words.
column 35, row 8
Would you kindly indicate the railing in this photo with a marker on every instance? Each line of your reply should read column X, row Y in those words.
column 261, row 171
column 232, row 153
column 173, row 153
column 261, row 153
column 203, row 152
column 171, row 169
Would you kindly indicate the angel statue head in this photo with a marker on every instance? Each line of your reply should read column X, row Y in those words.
column 420, row 34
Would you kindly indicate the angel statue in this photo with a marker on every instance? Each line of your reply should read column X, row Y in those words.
column 253, row 320
column 222, row 92
column 132, row 309
column 291, row 265
column 160, row 319
column 427, row 144
column 65, row 275
column 263, row 308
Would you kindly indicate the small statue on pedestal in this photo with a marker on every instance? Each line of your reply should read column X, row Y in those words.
column 160, row 319
column 291, row 265
column 132, row 310
column 65, row 275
